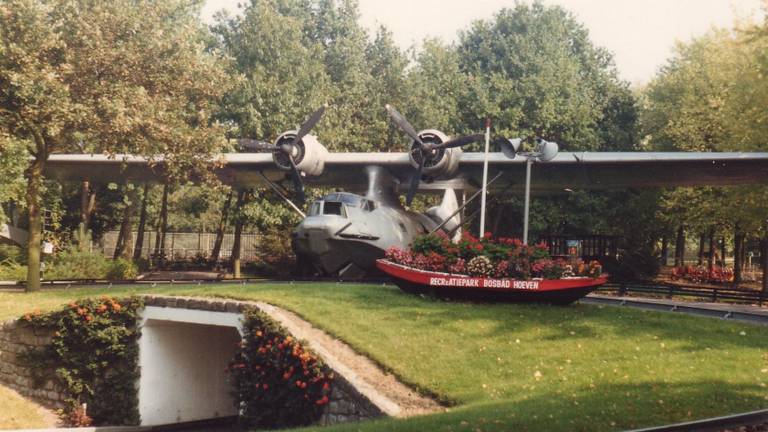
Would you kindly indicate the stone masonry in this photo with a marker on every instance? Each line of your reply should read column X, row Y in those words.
column 17, row 338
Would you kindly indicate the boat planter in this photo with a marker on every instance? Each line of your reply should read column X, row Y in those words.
column 555, row 291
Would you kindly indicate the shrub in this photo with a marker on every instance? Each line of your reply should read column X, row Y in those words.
column 122, row 269
column 93, row 356
column 10, row 271
column 13, row 254
column 277, row 381
column 77, row 264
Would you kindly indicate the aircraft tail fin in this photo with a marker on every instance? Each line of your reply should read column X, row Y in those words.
column 447, row 207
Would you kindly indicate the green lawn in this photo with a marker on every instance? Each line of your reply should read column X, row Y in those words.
column 17, row 412
column 521, row 367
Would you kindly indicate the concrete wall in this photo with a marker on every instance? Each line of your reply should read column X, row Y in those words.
column 16, row 338
column 182, row 371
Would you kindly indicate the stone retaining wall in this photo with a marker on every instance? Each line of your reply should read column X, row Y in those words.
column 346, row 403
column 17, row 338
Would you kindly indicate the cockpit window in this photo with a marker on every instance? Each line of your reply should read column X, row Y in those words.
column 347, row 198
column 334, row 208
column 367, row 205
column 314, row 210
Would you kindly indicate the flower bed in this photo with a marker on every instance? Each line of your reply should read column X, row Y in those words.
column 488, row 257
column 703, row 274
column 278, row 382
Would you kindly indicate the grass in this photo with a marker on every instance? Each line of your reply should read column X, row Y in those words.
column 17, row 412
column 521, row 367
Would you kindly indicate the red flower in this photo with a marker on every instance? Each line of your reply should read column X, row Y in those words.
column 322, row 401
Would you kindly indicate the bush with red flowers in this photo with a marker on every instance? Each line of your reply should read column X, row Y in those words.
column 93, row 356
column 277, row 381
column 488, row 256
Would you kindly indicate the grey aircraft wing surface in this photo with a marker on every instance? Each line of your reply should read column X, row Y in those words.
column 568, row 170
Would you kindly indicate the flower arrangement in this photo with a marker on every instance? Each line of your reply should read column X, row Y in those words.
column 487, row 256
column 277, row 381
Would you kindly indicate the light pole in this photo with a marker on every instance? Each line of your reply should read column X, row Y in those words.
column 544, row 151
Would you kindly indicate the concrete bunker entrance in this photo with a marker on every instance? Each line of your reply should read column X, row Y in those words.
column 183, row 354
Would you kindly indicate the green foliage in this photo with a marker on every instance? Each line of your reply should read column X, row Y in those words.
column 122, row 269
column 13, row 156
column 534, row 70
column 12, row 271
column 711, row 96
column 11, row 253
column 277, row 381
column 93, row 355
column 76, row 264
column 428, row 243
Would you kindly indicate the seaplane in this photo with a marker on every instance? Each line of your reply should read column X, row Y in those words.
column 344, row 233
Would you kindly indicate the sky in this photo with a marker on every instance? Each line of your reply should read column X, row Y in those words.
column 641, row 34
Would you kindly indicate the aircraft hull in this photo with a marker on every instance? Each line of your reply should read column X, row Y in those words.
column 555, row 291
column 346, row 259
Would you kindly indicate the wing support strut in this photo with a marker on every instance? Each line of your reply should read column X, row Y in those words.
column 281, row 195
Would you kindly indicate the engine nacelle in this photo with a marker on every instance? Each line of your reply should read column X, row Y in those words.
column 308, row 154
column 443, row 163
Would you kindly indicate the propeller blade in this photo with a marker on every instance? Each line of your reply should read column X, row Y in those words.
column 298, row 185
column 309, row 124
column 460, row 141
column 403, row 124
column 252, row 144
column 415, row 183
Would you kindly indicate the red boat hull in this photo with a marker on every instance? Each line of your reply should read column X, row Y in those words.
column 555, row 291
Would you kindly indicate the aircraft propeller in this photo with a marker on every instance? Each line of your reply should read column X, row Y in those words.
column 289, row 150
column 427, row 150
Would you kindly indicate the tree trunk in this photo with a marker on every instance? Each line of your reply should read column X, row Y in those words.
column 142, row 225
column 124, row 248
column 702, row 240
column 664, row 250
column 711, row 260
column 764, row 261
column 87, row 204
column 220, row 229
column 722, row 252
column 34, row 176
column 738, row 245
column 120, row 239
column 680, row 247
column 235, row 259
column 162, row 228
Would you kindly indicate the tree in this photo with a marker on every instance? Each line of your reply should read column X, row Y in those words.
column 116, row 77
column 711, row 96
column 534, row 70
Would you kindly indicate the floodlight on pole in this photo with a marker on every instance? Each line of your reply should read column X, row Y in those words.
column 545, row 151
column 485, row 176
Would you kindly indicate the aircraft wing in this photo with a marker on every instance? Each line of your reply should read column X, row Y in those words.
column 568, row 170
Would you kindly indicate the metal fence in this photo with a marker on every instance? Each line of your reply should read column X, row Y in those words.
column 714, row 294
column 181, row 245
